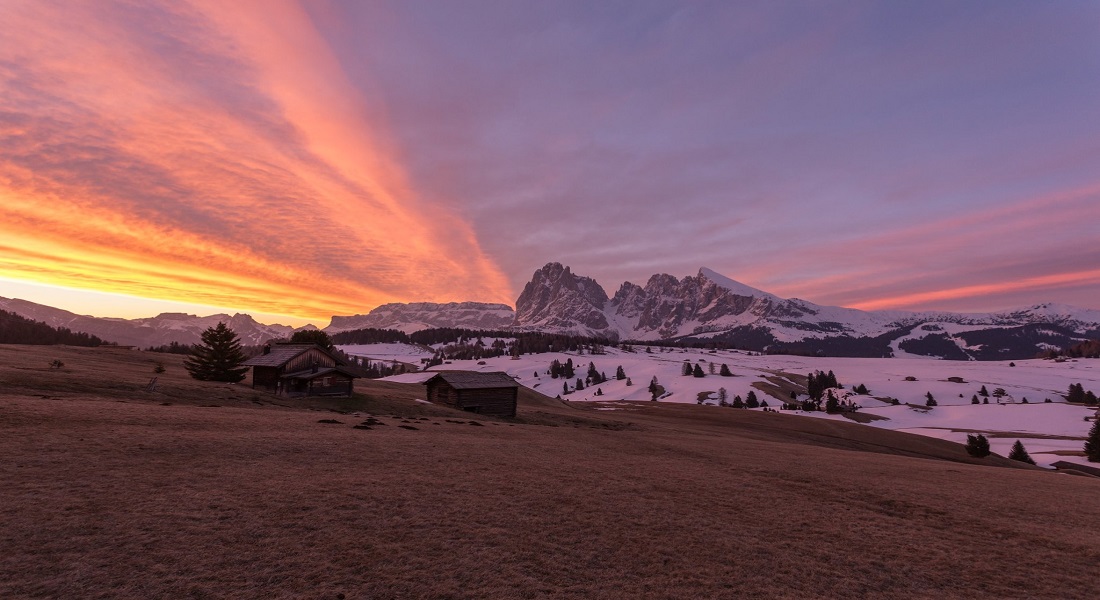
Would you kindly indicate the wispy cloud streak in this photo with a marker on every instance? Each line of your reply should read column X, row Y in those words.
column 210, row 153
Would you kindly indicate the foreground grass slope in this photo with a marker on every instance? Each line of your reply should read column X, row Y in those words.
column 111, row 494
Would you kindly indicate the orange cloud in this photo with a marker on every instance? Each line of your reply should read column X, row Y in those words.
column 211, row 153
column 971, row 291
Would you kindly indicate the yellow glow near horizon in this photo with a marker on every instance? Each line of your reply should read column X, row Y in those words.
column 279, row 198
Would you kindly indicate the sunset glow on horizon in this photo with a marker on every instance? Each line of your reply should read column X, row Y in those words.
column 304, row 160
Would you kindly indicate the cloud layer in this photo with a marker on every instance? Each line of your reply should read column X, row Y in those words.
column 321, row 158
column 210, row 155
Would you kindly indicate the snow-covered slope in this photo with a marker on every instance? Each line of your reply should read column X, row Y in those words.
column 709, row 305
column 1051, row 431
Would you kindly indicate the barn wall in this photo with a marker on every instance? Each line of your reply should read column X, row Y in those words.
column 440, row 392
column 495, row 401
column 265, row 377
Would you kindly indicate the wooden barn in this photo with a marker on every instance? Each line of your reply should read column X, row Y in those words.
column 301, row 370
column 483, row 393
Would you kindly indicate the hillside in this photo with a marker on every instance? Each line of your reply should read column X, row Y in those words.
column 203, row 489
column 15, row 329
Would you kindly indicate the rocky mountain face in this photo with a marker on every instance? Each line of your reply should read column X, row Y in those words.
column 415, row 316
column 557, row 300
column 152, row 331
column 711, row 307
column 706, row 307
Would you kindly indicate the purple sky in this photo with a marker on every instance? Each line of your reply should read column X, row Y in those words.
column 920, row 155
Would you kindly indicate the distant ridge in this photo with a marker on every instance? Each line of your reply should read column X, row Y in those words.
column 705, row 308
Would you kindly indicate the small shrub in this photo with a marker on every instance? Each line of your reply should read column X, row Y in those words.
column 56, row 364
column 910, row 378
column 158, row 368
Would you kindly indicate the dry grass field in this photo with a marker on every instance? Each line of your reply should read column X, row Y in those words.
column 202, row 490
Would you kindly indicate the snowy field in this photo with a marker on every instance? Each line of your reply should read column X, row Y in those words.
column 1045, row 429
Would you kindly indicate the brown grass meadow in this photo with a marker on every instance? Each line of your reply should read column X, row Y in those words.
column 203, row 490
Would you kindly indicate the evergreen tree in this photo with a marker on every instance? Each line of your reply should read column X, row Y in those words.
column 698, row 371
column 629, row 382
column 568, row 370
column 1092, row 442
column 312, row 336
column 976, row 445
column 832, row 405
column 723, row 397
column 580, row 384
column 620, row 374
column 687, row 370
column 974, row 399
column 725, row 371
column 751, row 401
column 1090, row 398
column 737, row 402
column 985, row 400
column 929, row 400
column 862, row 389
column 218, row 357
column 593, row 375
column 710, row 368
column 1019, row 453
column 565, row 387
column 983, row 392
column 813, row 388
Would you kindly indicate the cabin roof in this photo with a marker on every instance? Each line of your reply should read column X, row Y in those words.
column 474, row 380
column 281, row 354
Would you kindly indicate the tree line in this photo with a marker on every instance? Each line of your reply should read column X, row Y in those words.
column 17, row 329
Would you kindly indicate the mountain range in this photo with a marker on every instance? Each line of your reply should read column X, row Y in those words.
column 703, row 308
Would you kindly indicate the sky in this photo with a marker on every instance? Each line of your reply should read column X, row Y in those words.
column 300, row 160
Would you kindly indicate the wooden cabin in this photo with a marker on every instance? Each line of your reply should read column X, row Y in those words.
column 301, row 370
column 492, row 393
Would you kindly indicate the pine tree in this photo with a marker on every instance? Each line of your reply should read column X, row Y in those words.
column 751, row 401
column 974, row 399
column 832, row 405
column 725, row 371
column 698, row 371
column 723, row 397
column 218, row 357
column 687, row 370
column 983, row 392
column 1019, row 453
column 629, row 382
column 580, row 384
column 1092, row 442
column 930, row 401
column 620, row 374
column 976, row 445
column 710, row 368
column 312, row 336
column 737, row 402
